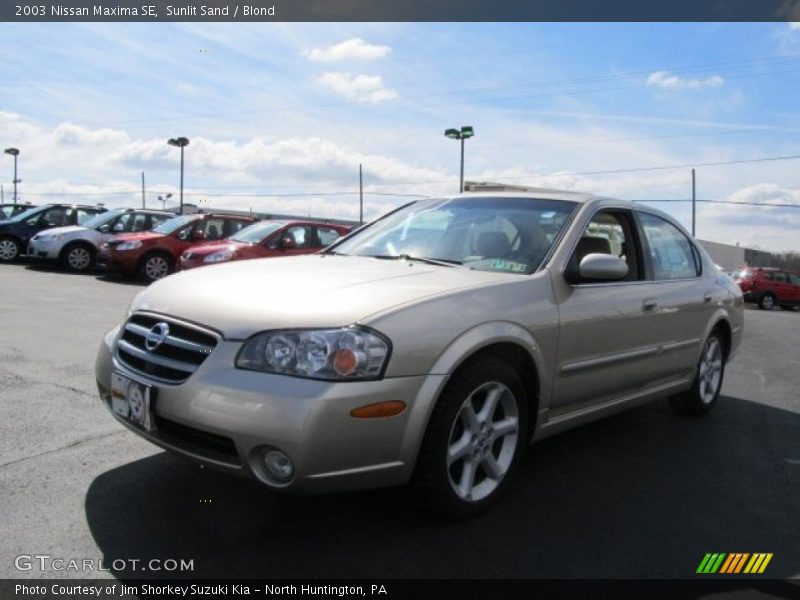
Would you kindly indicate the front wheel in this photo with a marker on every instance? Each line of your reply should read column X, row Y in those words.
column 767, row 302
column 156, row 266
column 10, row 249
column 474, row 439
column 703, row 394
column 78, row 258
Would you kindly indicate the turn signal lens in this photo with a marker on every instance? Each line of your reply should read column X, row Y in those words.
column 380, row 410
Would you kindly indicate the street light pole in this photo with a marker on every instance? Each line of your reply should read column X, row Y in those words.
column 462, row 134
column 181, row 143
column 15, row 153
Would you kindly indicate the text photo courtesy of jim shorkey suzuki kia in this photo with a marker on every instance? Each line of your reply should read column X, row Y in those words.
column 369, row 300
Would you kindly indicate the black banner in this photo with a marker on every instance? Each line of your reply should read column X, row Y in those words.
column 436, row 589
column 399, row 10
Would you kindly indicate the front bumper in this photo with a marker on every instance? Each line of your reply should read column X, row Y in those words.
column 751, row 297
column 191, row 263
column 45, row 249
column 222, row 416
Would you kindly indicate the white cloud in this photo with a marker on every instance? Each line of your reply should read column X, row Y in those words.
column 668, row 81
column 69, row 134
column 361, row 88
column 352, row 49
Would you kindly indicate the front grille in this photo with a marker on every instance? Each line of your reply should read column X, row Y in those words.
column 182, row 351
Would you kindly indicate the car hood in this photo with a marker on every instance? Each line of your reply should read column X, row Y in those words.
column 241, row 298
column 67, row 230
column 209, row 247
column 139, row 235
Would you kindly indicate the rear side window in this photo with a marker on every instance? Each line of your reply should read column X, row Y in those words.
column 671, row 253
column 327, row 235
column 794, row 279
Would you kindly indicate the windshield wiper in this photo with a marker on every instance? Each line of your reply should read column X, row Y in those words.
column 442, row 262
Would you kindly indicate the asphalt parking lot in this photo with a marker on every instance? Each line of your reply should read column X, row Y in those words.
column 642, row 494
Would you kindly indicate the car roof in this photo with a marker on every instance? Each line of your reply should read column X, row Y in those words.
column 542, row 194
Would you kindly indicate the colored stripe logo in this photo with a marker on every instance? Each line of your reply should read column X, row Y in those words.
column 733, row 563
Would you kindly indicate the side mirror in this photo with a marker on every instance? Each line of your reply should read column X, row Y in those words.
column 119, row 228
column 197, row 234
column 602, row 267
column 288, row 243
column 32, row 222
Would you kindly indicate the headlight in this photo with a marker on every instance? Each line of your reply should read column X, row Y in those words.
column 48, row 238
column 351, row 353
column 130, row 245
column 219, row 256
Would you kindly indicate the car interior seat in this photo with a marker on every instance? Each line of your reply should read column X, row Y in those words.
column 493, row 244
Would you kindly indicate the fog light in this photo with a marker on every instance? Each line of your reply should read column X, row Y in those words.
column 279, row 466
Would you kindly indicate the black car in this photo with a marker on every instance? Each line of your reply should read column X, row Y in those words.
column 17, row 231
column 10, row 210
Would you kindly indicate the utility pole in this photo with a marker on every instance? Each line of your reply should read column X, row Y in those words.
column 694, row 202
column 143, row 206
column 360, row 195
column 2, row 195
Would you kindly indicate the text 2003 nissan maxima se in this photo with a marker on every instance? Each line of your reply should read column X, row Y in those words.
column 428, row 347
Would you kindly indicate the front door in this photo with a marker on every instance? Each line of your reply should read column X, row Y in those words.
column 605, row 345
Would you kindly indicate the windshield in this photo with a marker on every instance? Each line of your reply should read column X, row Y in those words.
column 26, row 214
column 510, row 235
column 257, row 232
column 103, row 218
column 174, row 224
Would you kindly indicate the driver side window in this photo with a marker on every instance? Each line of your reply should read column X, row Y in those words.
column 610, row 232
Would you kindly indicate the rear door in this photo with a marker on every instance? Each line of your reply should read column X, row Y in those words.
column 794, row 285
column 686, row 300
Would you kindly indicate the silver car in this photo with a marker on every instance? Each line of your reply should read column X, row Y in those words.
column 429, row 347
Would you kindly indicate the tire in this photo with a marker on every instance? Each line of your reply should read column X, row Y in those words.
column 77, row 257
column 10, row 249
column 460, row 424
column 702, row 396
column 767, row 302
column 155, row 266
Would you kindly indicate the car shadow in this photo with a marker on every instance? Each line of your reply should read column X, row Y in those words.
column 641, row 494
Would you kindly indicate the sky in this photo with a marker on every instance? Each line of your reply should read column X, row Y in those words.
column 280, row 115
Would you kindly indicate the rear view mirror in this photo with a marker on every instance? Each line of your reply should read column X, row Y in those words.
column 602, row 267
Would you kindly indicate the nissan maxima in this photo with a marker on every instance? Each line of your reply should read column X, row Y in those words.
column 429, row 347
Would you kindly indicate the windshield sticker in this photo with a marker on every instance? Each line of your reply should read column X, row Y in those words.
column 509, row 265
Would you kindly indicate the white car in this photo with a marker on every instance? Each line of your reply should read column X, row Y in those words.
column 76, row 246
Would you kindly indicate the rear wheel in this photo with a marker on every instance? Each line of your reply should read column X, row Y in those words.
column 10, row 249
column 78, row 257
column 703, row 394
column 474, row 439
column 156, row 266
column 767, row 302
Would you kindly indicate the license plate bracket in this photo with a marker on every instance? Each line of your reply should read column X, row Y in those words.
column 133, row 401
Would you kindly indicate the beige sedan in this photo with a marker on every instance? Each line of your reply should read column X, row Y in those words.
column 429, row 347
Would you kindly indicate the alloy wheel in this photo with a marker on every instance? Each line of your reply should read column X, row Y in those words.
column 482, row 442
column 710, row 375
column 8, row 250
column 156, row 267
column 79, row 259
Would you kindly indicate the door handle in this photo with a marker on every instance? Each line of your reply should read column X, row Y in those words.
column 707, row 297
column 649, row 304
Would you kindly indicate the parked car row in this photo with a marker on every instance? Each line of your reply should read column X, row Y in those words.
column 153, row 243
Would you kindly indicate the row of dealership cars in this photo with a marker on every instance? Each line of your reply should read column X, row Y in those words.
column 151, row 243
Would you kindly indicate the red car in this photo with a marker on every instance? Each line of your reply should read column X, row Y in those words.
column 266, row 239
column 155, row 254
column 769, row 287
